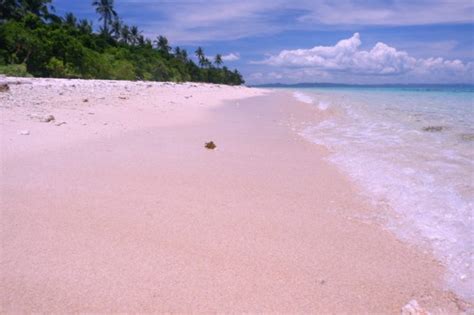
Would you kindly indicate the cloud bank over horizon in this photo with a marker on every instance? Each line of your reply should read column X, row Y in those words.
column 347, row 58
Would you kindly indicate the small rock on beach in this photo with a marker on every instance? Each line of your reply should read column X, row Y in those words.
column 4, row 87
column 47, row 118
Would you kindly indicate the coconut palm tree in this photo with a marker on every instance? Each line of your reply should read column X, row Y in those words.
column 37, row 7
column 148, row 43
column 105, row 8
column 201, row 56
column 117, row 29
column 218, row 60
column 162, row 44
column 207, row 63
column 141, row 40
column 134, row 35
column 9, row 9
column 125, row 34
column 184, row 54
column 70, row 19
column 85, row 26
column 181, row 54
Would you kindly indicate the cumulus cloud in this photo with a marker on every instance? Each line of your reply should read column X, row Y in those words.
column 347, row 56
column 231, row 57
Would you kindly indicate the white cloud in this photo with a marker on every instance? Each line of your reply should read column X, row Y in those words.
column 347, row 56
column 231, row 57
column 190, row 21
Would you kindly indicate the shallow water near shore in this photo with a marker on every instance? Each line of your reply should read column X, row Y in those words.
column 411, row 150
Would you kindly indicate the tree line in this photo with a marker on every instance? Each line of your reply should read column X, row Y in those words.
column 35, row 41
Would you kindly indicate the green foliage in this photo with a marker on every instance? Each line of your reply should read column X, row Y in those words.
column 15, row 70
column 57, row 68
column 123, row 70
column 15, row 9
column 35, row 41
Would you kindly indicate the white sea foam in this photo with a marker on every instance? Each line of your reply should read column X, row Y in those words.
column 302, row 97
column 323, row 105
column 308, row 99
column 413, row 151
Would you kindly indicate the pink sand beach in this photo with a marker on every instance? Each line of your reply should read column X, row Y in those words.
column 116, row 206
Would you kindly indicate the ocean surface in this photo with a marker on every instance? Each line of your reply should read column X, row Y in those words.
column 411, row 151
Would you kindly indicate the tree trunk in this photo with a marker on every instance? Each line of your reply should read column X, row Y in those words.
column 105, row 26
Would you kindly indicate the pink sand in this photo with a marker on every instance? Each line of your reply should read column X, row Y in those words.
column 123, row 210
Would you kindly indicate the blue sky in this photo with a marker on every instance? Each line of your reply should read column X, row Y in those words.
column 290, row 41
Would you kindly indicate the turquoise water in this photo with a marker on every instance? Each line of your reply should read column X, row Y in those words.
column 411, row 150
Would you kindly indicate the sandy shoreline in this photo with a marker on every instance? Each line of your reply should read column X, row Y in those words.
column 121, row 209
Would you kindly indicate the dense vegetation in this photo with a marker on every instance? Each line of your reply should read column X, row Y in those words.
column 35, row 41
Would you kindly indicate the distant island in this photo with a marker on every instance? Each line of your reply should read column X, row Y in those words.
column 36, row 42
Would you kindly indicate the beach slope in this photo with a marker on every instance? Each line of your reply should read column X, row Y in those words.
column 111, row 203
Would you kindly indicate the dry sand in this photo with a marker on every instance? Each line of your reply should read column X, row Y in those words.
column 122, row 209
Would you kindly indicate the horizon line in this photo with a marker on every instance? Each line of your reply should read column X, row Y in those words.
column 309, row 84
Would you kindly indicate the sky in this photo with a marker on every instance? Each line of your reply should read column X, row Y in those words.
column 294, row 41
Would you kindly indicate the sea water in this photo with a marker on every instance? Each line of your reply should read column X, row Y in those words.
column 411, row 150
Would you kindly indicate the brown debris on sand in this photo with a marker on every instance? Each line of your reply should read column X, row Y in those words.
column 210, row 145
column 433, row 128
column 4, row 87
column 467, row 137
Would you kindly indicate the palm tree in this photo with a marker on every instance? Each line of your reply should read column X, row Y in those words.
column 105, row 8
column 181, row 54
column 37, row 7
column 70, row 19
column 85, row 26
column 207, row 63
column 201, row 56
column 9, row 9
column 148, row 43
column 125, row 33
column 184, row 54
column 135, row 35
column 18, row 8
column 141, row 40
column 218, row 60
column 117, row 29
column 162, row 44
